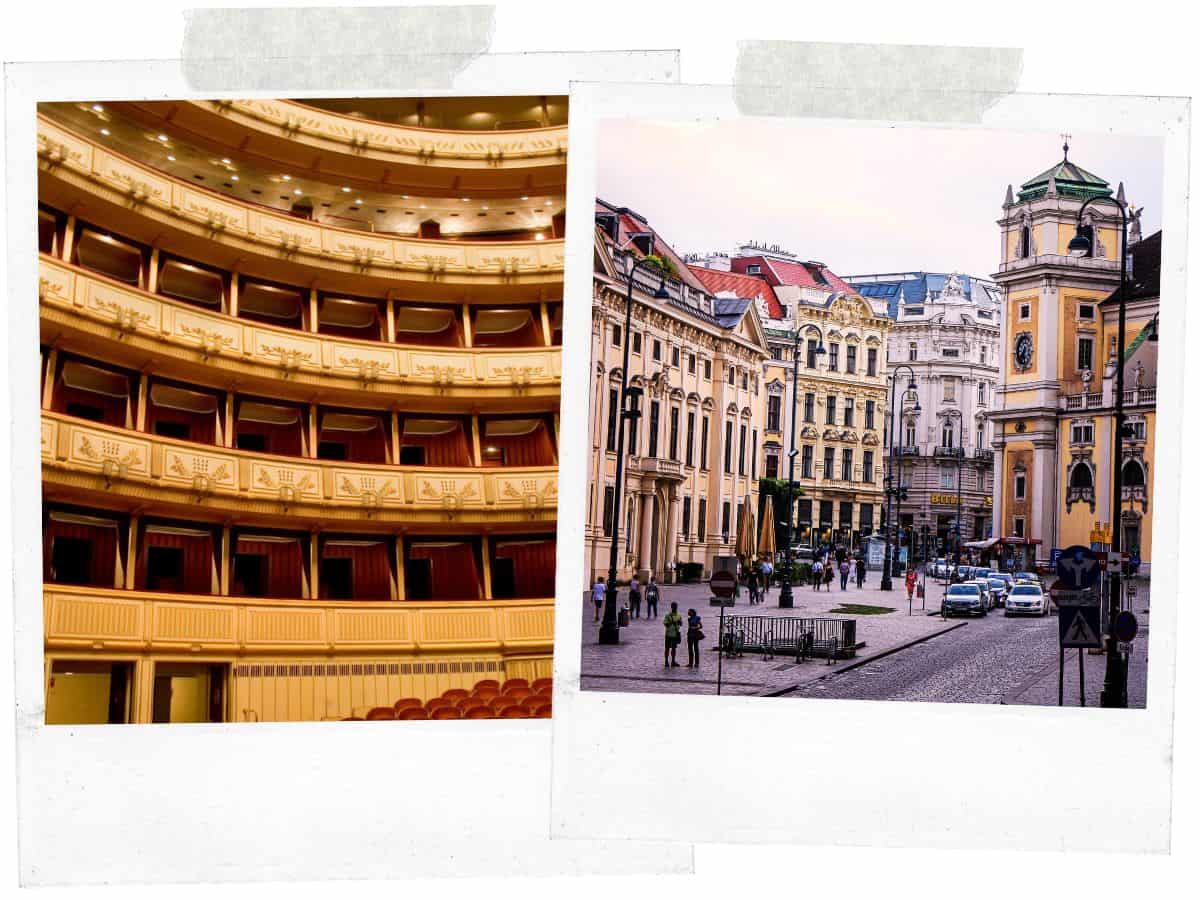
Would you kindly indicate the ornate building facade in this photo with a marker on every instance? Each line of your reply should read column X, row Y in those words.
column 300, row 385
column 839, row 399
column 1053, row 429
column 947, row 330
column 693, row 456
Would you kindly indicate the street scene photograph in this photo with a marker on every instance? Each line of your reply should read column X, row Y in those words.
column 872, row 413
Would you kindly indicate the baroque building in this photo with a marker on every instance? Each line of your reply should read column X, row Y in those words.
column 692, row 458
column 1053, row 430
column 299, row 389
column 946, row 328
column 840, row 400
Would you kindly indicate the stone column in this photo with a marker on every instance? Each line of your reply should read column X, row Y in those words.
column 672, row 529
column 1044, row 497
column 998, row 494
column 646, row 532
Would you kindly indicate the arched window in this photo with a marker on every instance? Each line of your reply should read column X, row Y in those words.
column 910, row 433
column 1132, row 474
column 1081, row 476
column 948, row 433
column 1025, row 240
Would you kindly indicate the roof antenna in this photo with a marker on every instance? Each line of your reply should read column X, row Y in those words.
column 1066, row 145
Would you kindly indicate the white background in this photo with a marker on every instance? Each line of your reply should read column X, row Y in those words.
column 1092, row 47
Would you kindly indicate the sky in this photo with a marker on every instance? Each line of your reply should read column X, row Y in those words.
column 860, row 199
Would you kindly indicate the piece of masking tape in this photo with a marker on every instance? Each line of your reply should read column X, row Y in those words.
column 873, row 81
column 337, row 50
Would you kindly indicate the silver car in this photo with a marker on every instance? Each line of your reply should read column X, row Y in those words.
column 1026, row 600
column 965, row 599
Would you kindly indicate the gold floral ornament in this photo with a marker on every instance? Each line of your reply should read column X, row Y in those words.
column 520, row 376
column 212, row 343
column 53, row 152
column 114, row 465
column 369, row 370
column 447, row 492
column 442, row 376
column 290, row 359
column 126, row 319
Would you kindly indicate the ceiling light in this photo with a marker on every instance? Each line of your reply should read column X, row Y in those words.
column 404, row 196
column 358, row 201
column 345, row 190
column 97, row 107
column 297, row 191
column 170, row 158
column 524, row 198
column 225, row 161
column 233, row 178
column 287, row 177
column 484, row 208
column 422, row 206
column 105, row 132
column 539, row 237
column 162, row 137
column 466, row 199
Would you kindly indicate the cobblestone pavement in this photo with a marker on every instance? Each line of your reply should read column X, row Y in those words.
column 636, row 664
column 991, row 660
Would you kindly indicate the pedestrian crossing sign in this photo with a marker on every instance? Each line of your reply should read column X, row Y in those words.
column 1079, row 626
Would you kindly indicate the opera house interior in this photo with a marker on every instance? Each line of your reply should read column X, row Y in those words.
column 299, row 391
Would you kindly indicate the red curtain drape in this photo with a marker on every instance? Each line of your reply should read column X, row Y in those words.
column 371, row 565
column 449, row 449
column 455, row 576
column 102, row 568
column 281, row 440
column 285, row 562
column 533, row 566
column 113, row 407
column 532, row 449
column 361, row 446
column 529, row 335
column 197, row 550
column 202, row 427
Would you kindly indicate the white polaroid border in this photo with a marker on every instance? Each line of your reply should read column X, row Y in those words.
column 178, row 803
column 758, row 769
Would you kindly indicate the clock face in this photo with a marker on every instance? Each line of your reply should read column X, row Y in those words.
column 1023, row 351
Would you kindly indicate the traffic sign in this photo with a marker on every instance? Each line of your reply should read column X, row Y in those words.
column 1125, row 628
column 1077, row 568
column 722, row 584
column 1078, row 626
column 1055, row 553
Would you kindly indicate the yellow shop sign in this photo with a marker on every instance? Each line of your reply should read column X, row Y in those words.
column 952, row 500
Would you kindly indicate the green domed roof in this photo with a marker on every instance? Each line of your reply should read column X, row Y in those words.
column 1069, row 181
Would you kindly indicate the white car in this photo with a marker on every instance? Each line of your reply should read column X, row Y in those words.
column 939, row 568
column 1026, row 600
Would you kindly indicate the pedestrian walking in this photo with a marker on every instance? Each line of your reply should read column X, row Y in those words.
column 844, row 571
column 694, row 636
column 768, row 569
column 672, row 623
column 816, row 574
column 598, row 597
column 860, row 570
column 670, row 573
column 910, row 582
column 828, row 576
column 652, row 598
column 635, row 598
column 1135, row 563
column 752, row 584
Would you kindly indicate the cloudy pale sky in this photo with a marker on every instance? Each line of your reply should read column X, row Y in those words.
column 860, row 199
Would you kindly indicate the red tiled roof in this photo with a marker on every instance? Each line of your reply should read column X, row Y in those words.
column 745, row 287
column 628, row 225
column 781, row 272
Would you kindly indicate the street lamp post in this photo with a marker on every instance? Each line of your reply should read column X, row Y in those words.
column 959, row 453
column 892, row 491
column 785, row 589
column 610, row 631
column 1116, row 673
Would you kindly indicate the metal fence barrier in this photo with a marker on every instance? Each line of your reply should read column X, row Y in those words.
column 779, row 636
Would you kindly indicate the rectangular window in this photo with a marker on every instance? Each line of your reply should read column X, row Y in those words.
column 690, row 441
column 846, row 514
column 950, row 352
column 847, row 464
column 616, row 335
column 870, row 414
column 701, row 519
column 833, row 356
column 810, row 402
column 1083, row 356
column 742, row 450
column 912, row 351
column 804, row 513
column 826, row 514
column 947, row 475
column 811, row 351
column 704, row 443
column 868, row 466
column 729, row 447
column 731, row 375
column 708, row 370
column 609, row 499
column 872, row 361
column 1082, row 433
column 1139, row 430
column 652, row 437
column 725, row 522
column 675, row 357
column 979, row 438
column 1023, row 312
column 636, row 338
column 851, row 359
column 685, row 526
column 831, row 410
column 866, row 518
column 1087, row 311
column 947, row 390
column 673, row 445
column 806, row 461
column 754, row 453
column 829, row 473
column 774, row 405
column 632, row 430
column 745, row 380
column 772, row 466
column 691, row 363
column 982, row 393
column 1019, row 486
column 614, row 410
column 657, row 350
column 848, row 412
column 1019, row 526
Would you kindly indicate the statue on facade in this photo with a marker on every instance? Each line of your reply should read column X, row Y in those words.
column 1139, row 373
column 1135, row 223
column 1086, row 376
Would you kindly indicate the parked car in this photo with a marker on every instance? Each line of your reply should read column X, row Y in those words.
column 998, row 588
column 1008, row 580
column 985, row 589
column 965, row 599
column 962, row 573
column 1030, row 577
column 939, row 568
column 1027, row 600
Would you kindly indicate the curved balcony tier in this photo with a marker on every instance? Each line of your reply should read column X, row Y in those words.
column 106, row 621
column 330, row 145
column 85, row 462
column 80, row 309
column 90, row 181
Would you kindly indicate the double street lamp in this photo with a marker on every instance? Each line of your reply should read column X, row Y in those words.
column 893, row 490
column 1116, row 674
column 610, row 631
column 959, row 453
column 785, row 590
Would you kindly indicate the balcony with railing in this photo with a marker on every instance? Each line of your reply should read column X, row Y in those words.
column 949, row 452
column 658, row 466
column 1144, row 396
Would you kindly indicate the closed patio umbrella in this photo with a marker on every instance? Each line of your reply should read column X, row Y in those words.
column 766, row 536
column 744, row 546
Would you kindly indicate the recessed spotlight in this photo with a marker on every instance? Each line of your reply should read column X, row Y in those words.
column 466, row 199
column 404, row 196
column 484, row 208
column 97, row 107
column 345, row 190
column 105, row 132
column 287, row 177
column 170, row 158
column 233, row 178
column 162, row 137
column 225, row 161
column 524, row 198
column 539, row 237
column 358, row 201
column 297, row 191
column 422, row 206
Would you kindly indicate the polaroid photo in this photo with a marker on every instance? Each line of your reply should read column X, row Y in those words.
column 294, row 365
column 872, row 417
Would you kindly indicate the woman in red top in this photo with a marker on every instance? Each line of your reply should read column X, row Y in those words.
column 910, row 581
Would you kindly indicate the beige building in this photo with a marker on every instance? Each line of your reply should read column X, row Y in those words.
column 693, row 456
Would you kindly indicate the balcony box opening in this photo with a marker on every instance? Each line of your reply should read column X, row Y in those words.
column 442, row 570
column 82, row 692
column 47, row 226
column 271, row 305
column 556, row 324
column 268, row 566
column 176, row 559
column 355, row 438
column 517, row 442
column 523, row 568
column 505, row 328
column 118, row 259
column 267, row 428
column 96, row 394
column 80, row 549
column 192, row 284
column 342, row 317
column 443, row 442
column 428, row 326
column 189, row 692
column 182, row 414
column 357, row 569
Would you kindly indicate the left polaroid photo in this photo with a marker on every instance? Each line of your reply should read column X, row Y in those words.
column 300, row 367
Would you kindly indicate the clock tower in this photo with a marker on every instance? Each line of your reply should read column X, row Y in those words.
column 1050, row 342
